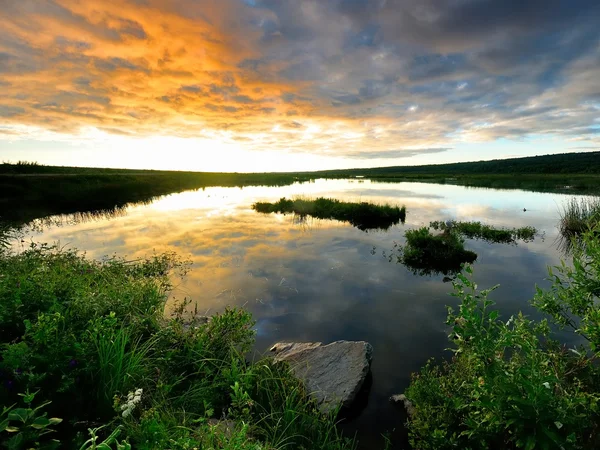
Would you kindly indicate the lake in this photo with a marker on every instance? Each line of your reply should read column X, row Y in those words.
column 306, row 279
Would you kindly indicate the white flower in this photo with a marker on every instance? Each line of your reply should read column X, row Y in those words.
column 546, row 385
column 126, row 413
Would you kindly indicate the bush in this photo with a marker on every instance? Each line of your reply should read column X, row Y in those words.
column 509, row 384
column 91, row 340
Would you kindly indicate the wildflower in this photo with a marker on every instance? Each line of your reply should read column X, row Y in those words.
column 546, row 385
column 133, row 399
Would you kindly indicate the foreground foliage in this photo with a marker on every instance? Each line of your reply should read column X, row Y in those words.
column 362, row 215
column 509, row 384
column 89, row 361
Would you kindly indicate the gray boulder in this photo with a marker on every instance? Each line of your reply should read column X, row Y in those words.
column 332, row 373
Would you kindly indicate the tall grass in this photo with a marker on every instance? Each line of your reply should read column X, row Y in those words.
column 579, row 215
column 122, row 362
column 362, row 215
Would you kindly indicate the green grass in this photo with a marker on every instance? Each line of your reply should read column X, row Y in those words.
column 579, row 215
column 477, row 230
column 82, row 335
column 362, row 215
column 426, row 253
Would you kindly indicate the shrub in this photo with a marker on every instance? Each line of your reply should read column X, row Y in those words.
column 90, row 338
column 509, row 384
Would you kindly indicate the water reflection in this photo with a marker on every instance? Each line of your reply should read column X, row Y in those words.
column 319, row 280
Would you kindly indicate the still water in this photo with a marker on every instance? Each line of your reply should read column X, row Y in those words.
column 319, row 280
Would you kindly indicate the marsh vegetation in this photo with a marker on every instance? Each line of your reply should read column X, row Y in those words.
column 426, row 253
column 88, row 357
column 362, row 215
column 488, row 233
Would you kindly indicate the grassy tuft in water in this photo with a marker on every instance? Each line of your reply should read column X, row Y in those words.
column 427, row 253
column 88, row 357
column 578, row 216
column 477, row 230
column 362, row 215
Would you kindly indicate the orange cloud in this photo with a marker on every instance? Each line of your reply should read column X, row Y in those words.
column 131, row 67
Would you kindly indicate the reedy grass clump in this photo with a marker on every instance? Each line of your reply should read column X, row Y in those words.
column 362, row 215
column 89, row 338
column 426, row 253
column 579, row 215
column 477, row 230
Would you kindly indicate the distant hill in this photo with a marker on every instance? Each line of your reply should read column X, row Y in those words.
column 564, row 163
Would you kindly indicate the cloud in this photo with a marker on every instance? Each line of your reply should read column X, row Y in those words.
column 395, row 154
column 419, row 75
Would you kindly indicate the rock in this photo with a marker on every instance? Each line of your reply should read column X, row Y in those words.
column 332, row 373
column 401, row 399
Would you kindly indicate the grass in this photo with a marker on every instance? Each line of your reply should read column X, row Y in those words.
column 578, row 216
column 362, row 215
column 477, row 230
column 426, row 253
column 80, row 339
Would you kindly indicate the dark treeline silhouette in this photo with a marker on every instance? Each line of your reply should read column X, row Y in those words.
column 564, row 163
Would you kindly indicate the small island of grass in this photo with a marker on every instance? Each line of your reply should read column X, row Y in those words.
column 477, row 230
column 362, row 215
column 426, row 253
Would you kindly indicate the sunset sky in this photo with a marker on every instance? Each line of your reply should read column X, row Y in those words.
column 260, row 85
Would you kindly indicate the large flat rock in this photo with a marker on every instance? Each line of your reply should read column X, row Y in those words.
column 332, row 373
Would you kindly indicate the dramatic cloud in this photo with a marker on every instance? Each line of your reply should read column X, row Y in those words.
column 357, row 79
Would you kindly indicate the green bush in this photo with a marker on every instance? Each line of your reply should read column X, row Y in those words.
column 509, row 384
column 91, row 339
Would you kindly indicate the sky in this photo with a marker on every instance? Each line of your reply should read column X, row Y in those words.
column 276, row 85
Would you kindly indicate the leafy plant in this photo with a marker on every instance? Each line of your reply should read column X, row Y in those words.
column 28, row 425
column 508, row 385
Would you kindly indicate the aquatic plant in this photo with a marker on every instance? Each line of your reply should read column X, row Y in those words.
column 477, row 230
column 362, row 215
column 426, row 253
